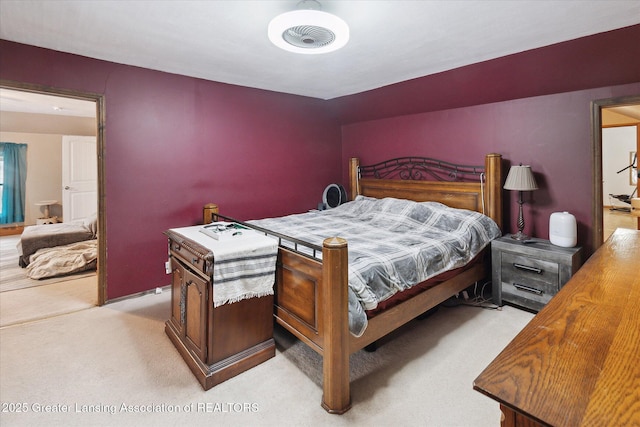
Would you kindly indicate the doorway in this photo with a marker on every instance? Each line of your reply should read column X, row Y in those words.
column 98, row 100
column 597, row 109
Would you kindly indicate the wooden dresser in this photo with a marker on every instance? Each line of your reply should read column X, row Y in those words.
column 577, row 363
column 216, row 343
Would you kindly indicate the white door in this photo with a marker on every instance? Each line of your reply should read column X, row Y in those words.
column 617, row 145
column 79, row 177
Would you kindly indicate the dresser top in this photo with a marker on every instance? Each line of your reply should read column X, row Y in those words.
column 578, row 361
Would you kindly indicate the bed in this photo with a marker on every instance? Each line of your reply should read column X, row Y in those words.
column 38, row 237
column 312, row 292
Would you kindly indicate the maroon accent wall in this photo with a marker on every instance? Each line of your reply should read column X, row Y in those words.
column 605, row 59
column 174, row 143
column 532, row 107
column 551, row 133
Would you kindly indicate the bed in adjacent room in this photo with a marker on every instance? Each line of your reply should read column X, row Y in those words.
column 400, row 248
column 58, row 249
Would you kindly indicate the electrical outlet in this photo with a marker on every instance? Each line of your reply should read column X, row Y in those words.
column 167, row 267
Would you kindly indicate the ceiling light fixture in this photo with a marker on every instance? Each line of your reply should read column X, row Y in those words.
column 308, row 30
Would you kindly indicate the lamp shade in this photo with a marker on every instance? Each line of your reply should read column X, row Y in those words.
column 520, row 178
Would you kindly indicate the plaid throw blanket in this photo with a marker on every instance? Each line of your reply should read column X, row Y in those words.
column 393, row 244
column 244, row 268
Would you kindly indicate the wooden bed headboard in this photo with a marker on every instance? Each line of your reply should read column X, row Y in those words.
column 405, row 178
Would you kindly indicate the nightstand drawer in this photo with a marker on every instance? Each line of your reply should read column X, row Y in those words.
column 530, row 274
column 528, row 281
column 533, row 295
column 528, row 270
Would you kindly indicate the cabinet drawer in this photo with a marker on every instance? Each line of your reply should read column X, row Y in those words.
column 189, row 257
column 526, row 295
column 528, row 281
column 530, row 270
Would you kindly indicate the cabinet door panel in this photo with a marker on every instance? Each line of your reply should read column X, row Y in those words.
column 177, row 281
column 196, row 314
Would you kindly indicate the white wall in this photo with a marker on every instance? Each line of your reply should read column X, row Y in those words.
column 44, row 171
column 11, row 121
column 617, row 143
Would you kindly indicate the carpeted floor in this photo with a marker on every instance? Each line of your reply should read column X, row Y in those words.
column 13, row 277
column 26, row 300
column 42, row 302
column 114, row 365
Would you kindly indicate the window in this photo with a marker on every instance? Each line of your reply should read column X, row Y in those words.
column 14, row 177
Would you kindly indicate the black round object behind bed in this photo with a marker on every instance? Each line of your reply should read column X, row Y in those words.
column 334, row 195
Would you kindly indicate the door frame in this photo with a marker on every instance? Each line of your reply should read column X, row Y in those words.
column 100, row 147
column 596, row 160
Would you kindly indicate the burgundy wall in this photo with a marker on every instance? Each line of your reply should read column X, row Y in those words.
column 606, row 59
column 174, row 143
column 532, row 107
column 551, row 133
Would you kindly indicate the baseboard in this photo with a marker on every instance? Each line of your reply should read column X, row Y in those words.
column 166, row 288
column 11, row 230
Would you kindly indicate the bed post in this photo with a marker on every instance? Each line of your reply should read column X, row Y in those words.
column 336, row 397
column 493, row 187
column 354, row 164
column 208, row 211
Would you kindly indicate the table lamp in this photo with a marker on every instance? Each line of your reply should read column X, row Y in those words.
column 520, row 178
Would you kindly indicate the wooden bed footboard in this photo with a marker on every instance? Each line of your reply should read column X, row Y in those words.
column 311, row 296
column 311, row 302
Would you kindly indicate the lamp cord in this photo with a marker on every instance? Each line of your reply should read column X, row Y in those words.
column 482, row 180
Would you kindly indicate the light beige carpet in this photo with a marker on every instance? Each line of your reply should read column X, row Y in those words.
column 48, row 300
column 113, row 365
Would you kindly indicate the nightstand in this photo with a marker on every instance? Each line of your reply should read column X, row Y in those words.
column 530, row 274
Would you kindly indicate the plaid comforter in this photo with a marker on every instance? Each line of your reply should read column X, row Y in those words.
column 393, row 244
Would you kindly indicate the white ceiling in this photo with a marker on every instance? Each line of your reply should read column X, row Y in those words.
column 36, row 103
column 226, row 41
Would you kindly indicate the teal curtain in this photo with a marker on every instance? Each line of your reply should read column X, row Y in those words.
column 14, row 158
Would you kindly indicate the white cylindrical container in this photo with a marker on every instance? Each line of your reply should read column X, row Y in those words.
column 563, row 229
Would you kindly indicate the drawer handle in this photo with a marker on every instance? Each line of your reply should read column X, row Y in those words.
column 176, row 247
column 194, row 261
column 528, row 268
column 520, row 287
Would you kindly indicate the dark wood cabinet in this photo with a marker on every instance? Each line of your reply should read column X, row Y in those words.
column 216, row 343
